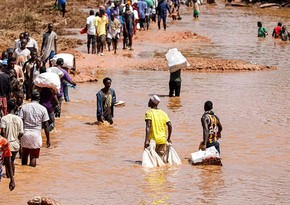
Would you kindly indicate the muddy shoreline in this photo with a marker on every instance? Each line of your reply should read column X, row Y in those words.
column 149, row 54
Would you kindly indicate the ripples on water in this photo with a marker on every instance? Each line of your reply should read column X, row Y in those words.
column 92, row 164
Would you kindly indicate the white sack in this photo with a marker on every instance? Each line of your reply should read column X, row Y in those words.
column 68, row 59
column 151, row 158
column 175, row 60
column 48, row 80
column 200, row 155
column 171, row 156
column 56, row 71
column 147, row 160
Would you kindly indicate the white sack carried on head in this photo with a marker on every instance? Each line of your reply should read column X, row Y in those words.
column 48, row 80
column 68, row 59
column 56, row 71
column 175, row 60
column 171, row 156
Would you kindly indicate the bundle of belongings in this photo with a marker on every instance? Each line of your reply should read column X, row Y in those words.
column 151, row 159
column 208, row 157
column 175, row 60
column 68, row 59
column 48, row 80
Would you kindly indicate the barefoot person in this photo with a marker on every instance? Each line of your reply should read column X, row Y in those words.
column 211, row 127
column 34, row 117
column 156, row 122
column 106, row 99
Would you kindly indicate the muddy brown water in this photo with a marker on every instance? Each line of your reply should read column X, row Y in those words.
column 91, row 164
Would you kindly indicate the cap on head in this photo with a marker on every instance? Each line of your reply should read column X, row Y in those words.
column 59, row 61
column 208, row 105
column 155, row 99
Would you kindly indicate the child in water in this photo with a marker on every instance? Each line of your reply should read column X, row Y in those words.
column 262, row 32
column 195, row 9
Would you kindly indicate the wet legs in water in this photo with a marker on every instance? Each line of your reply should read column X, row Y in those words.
column 174, row 86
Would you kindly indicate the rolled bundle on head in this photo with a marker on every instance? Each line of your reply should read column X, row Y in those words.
column 48, row 80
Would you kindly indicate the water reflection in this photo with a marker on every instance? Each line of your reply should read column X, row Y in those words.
column 174, row 104
column 211, row 183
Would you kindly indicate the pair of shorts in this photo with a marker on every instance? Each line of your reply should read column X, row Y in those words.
column 34, row 153
column 51, row 55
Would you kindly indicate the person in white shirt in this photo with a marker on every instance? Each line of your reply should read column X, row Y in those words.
column 91, row 31
column 17, row 41
column 22, row 54
column 12, row 130
column 35, row 117
column 31, row 42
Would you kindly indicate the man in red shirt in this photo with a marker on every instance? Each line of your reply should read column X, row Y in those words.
column 277, row 30
column 5, row 158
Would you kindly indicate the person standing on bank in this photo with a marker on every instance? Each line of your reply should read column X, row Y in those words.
column 211, row 127
column 106, row 99
column 156, row 122
column 91, row 31
column 175, row 83
column 48, row 47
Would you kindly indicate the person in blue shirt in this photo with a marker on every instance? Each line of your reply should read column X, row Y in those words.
column 61, row 6
column 142, row 7
column 162, row 9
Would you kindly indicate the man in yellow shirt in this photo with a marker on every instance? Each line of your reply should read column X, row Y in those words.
column 101, row 23
column 156, row 123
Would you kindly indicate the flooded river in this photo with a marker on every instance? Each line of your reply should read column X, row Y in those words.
column 91, row 164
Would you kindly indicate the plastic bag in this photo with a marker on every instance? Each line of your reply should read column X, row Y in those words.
column 175, row 60
column 68, row 59
column 48, row 80
column 171, row 156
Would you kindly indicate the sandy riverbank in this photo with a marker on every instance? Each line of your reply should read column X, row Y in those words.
column 147, row 55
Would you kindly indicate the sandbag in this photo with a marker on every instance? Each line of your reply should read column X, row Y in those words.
column 175, row 60
column 56, row 71
column 150, row 158
column 48, row 80
column 206, row 157
column 67, row 58
column 171, row 156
